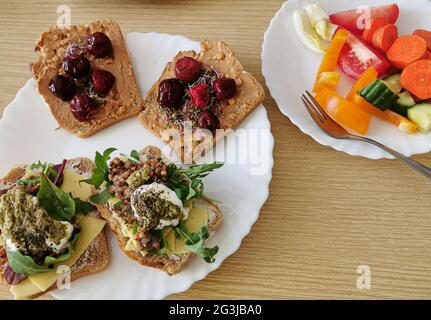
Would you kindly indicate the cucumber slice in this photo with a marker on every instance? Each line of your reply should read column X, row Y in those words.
column 379, row 95
column 421, row 115
column 393, row 82
column 406, row 99
column 404, row 103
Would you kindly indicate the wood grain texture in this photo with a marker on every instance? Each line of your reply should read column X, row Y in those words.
column 327, row 212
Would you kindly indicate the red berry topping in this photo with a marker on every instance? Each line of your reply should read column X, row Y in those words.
column 224, row 88
column 103, row 81
column 99, row 45
column 188, row 69
column 76, row 66
column 62, row 87
column 171, row 93
column 207, row 120
column 81, row 107
column 200, row 95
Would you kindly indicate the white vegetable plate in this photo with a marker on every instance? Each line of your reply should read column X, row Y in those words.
column 290, row 68
column 27, row 134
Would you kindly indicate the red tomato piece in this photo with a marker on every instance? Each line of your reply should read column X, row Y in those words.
column 356, row 20
column 357, row 56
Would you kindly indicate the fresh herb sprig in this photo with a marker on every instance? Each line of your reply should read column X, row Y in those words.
column 187, row 182
column 101, row 175
column 195, row 241
column 134, row 156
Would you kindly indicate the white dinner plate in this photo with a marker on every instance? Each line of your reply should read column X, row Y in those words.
column 290, row 68
column 27, row 134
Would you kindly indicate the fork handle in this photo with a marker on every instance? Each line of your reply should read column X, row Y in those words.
column 424, row 170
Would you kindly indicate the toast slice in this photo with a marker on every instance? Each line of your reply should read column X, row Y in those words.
column 220, row 57
column 96, row 257
column 169, row 263
column 124, row 99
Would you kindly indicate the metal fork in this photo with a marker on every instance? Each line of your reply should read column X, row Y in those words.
column 325, row 122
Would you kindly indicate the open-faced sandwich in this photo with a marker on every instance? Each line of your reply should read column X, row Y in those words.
column 85, row 76
column 207, row 91
column 48, row 230
column 156, row 209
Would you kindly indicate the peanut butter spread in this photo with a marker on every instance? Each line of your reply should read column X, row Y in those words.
column 220, row 57
column 124, row 98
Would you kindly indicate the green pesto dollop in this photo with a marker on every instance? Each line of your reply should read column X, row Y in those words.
column 150, row 209
column 139, row 177
column 26, row 227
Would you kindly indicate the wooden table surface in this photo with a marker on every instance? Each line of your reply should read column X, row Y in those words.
column 327, row 212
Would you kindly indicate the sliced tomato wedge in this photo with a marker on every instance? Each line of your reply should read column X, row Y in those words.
column 356, row 56
column 355, row 20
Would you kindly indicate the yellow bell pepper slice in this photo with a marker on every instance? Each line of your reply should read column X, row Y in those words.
column 329, row 79
column 366, row 78
column 390, row 116
column 345, row 113
column 330, row 59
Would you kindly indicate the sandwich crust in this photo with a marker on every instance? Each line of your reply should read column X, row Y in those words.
column 219, row 56
column 96, row 257
column 124, row 99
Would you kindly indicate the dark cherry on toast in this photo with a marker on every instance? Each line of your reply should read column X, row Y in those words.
column 85, row 87
column 195, row 94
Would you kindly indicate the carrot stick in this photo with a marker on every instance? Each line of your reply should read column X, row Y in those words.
column 372, row 26
column 384, row 37
column 424, row 34
column 406, row 50
column 416, row 78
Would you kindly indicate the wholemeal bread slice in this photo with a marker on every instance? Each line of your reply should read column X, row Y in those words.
column 169, row 263
column 220, row 57
column 96, row 257
column 124, row 99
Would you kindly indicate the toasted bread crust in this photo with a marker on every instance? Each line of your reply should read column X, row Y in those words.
column 170, row 264
column 96, row 257
column 219, row 56
column 124, row 99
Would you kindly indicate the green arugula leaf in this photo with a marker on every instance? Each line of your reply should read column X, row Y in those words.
column 58, row 204
column 25, row 264
column 83, row 207
column 187, row 182
column 51, row 260
column 194, row 242
column 101, row 172
column 134, row 156
column 101, row 197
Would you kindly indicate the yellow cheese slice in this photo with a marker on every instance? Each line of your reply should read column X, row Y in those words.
column 24, row 289
column 197, row 218
column 71, row 185
column 90, row 228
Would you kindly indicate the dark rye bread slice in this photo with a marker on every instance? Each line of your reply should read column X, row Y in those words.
column 124, row 99
column 172, row 263
column 97, row 256
column 219, row 56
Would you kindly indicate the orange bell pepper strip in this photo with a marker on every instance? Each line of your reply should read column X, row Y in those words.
column 388, row 115
column 330, row 59
column 345, row 113
column 366, row 78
